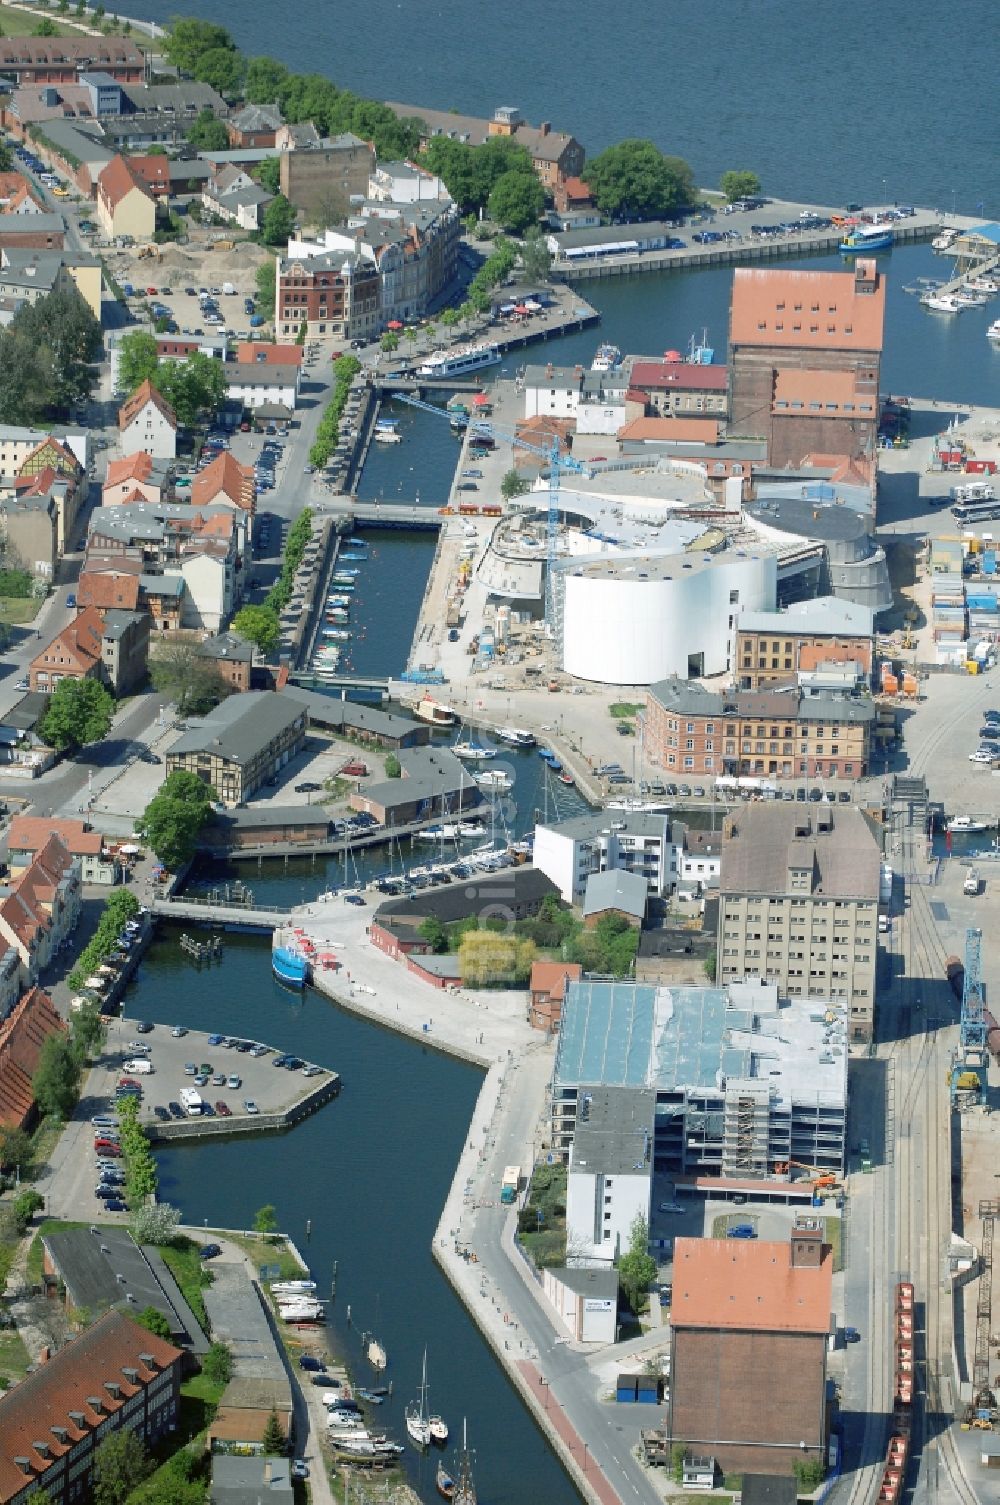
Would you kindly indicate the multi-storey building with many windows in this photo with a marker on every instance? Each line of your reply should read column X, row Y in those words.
column 798, row 904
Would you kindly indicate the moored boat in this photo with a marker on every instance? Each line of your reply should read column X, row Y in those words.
column 288, row 963
column 941, row 303
column 966, row 825
column 430, row 710
column 461, row 361
column 376, row 1354
column 473, row 751
column 417, row 1423
column 864, row 239
column 444, row 1482
column 495, row 779
column 993, row 333
column 515, row 736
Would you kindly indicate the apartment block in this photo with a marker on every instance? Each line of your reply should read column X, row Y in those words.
column 771, row 733
column 798, row 904
column 780, row 647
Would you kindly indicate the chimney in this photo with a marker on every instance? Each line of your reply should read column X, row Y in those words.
column 545, row 127
column 807, row 1244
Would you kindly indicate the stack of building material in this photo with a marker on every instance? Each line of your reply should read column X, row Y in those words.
column 948, row 612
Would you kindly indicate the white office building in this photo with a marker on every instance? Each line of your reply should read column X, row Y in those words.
column 608, row 840
column 610, row 1172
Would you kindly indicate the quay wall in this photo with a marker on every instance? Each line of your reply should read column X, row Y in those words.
column 261, row 1123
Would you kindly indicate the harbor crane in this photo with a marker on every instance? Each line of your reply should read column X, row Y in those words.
column 969, row 1062
column 557, row 463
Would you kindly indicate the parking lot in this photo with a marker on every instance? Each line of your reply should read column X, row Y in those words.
column 236, row 1077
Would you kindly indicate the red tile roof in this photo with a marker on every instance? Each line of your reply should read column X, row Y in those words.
column 105, row 589
column 22, row 1035
column 672, row 430
column 552, row 977
column 29, row 833
column 749, row 1285
column 116, row 181
column 133, row 406
column 152, row 170
column 835, row 391
column 15, row 189
column 655, row 376
column 811, row 310
column 225, row 478
column 77, row 647
column 260, row 352
column 135, row 467
column 71, row 1379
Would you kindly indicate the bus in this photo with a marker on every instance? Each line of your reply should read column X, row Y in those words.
column 976, row 512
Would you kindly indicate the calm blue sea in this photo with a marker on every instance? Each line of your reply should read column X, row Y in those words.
column 828, row 101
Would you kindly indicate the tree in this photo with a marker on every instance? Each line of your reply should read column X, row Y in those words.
column 137, row 359
column 192, row 681
column 265, row 1219
column 264, row 81
column 536, row 258
column 739, row 184
column 279, row 222
column 389, row 341
column 433, row 932
column 207, row 133
column 513, row 484
column 269, row 174
column 393, row 768
column 516, row 201
column 260, row 626
column 87, row 1030
column 55, row 1085
column 63, row 333
column 223, row 69
column 217, row 1364
column 188, row 40
column 80, row 711
column 16, row 1150
column 710, row 964
column 264, row 277
column 489, row 958
column 46, row 28
column 809, row 1473
column 172, row 819
column 153, row 1321
column 634, row 180
column 154, row 1224
column 273, row 1440
column 25, row 1206
column 637, row 1267
column 120, row 1465
column 194, row 388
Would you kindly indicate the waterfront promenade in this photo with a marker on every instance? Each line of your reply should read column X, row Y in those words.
column 553, row 1376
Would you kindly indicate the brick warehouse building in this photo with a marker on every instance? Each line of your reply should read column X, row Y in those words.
column 748, row 1344
column 116, row 1374
column 804, row 356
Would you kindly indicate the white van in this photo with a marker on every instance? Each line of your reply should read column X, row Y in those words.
column 140, row 1067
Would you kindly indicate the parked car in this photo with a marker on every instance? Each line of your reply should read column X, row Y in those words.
column 209, row 1251
column 175, row 1110
column 223, row 1109
column 249, row 1106
column 309, row 1362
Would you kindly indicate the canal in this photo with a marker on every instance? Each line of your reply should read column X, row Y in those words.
column 359, row 1187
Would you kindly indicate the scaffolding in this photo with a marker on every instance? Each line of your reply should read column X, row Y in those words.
column 982, row 1395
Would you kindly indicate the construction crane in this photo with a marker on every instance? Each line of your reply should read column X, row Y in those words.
column 822, row 1179
column 557, row 463
column 972, row 1056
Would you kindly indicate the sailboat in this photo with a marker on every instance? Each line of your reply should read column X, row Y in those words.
column 465, row 1489
column 417, row 1423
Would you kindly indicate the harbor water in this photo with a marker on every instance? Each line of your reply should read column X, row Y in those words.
column 359, row 1187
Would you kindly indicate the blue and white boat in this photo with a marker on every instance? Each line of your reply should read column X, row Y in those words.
column 288, row 963
column 356, row 543
column 866, row 239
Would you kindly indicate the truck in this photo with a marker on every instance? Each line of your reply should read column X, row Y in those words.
column 191, row 1102
column 971, row 884
column 229, row 287
column 510, row 1184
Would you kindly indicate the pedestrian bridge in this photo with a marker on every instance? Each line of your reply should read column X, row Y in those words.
column 383, row 514
column 222, row 916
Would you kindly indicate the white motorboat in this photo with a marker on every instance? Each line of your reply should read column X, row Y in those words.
column 377, row 1357
column 438, row 1429
column 941, row 303
column 293, row 1285
column 607, row 358
column 966, row 825
column 993, row 333
column 474, row 752
column 432, row 711
column 417, row 1422
column 387, row 436
column 495, row 779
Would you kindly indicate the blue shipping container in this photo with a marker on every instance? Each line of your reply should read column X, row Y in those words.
column 990, row 562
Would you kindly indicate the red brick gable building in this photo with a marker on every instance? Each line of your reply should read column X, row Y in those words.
column 22, row 1035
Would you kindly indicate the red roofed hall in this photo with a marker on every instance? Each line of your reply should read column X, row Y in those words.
column 826, row 323
column 116, row 1373
column 22, row 1035
column 260, row 353
column 744, row 1308
column 106, row 589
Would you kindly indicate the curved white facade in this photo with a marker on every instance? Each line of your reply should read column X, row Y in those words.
column 632, row 620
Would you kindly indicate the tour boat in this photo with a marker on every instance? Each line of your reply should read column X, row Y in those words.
column 431, row 710
column 515, row 736
column 461, row 361
column 288, row 963
column 607, row 358
column 867, row 238
column 966, row 825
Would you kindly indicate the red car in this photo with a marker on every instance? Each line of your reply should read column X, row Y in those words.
column 151, row 291
column 129, row 1081
column 223, row 1109
column 107, row 1147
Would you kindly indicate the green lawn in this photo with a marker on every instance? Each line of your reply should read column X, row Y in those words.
column 16, row 610
column 262, row 1252
column 181, row 1258
column 833, row 1231
column 14, row 1357
column 19, row 23
column 624, row 710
